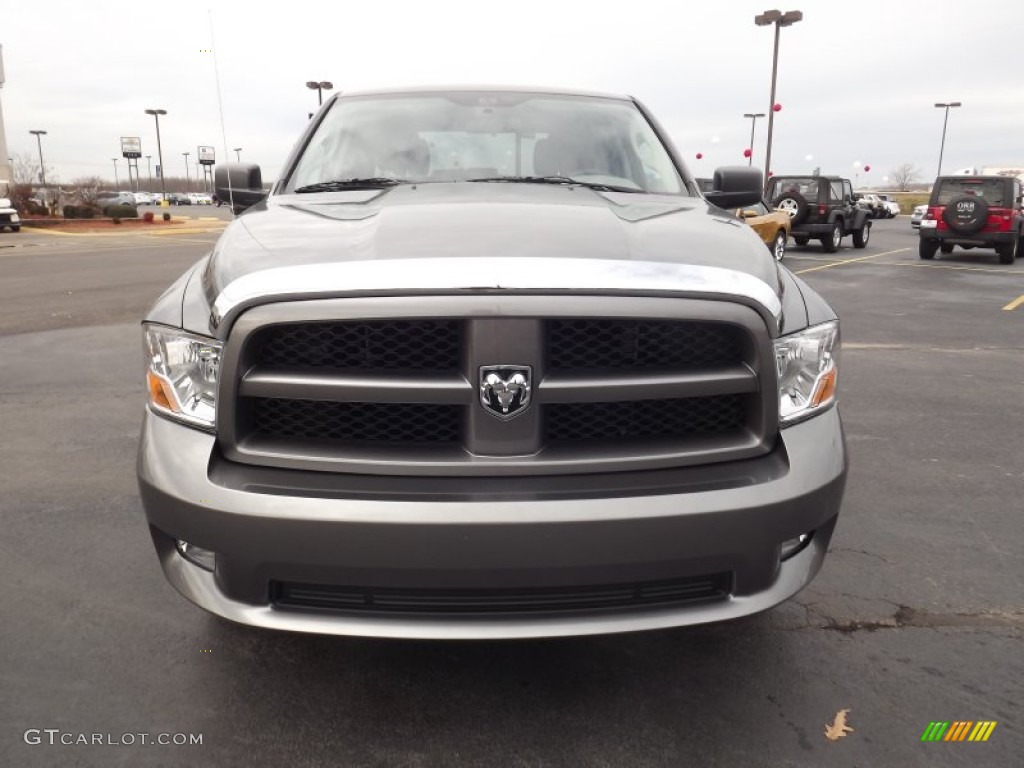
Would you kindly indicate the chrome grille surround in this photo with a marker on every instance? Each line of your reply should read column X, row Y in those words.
column 724, row 409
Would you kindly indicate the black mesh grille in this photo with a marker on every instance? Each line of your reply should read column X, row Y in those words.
column 414, row 345
column 640, row 344
column 381, row 422
column 477, row 601
column 681, row 417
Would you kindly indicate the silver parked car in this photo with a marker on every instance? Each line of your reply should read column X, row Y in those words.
column 918, row 214
column 488, row 364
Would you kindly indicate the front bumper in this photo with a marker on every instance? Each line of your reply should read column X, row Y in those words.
column 734, row 522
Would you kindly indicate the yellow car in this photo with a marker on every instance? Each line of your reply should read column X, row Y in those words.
column 771, row 226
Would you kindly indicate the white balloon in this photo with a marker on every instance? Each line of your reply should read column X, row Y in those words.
column 808, row 158
column 715, row 139
column 856, row 164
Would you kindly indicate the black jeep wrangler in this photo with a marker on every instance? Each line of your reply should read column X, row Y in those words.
column 974, row 212
column 821, row 208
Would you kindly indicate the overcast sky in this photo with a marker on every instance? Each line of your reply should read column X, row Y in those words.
column 857, row 80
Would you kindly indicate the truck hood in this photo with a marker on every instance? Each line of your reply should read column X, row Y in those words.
column 479, row 236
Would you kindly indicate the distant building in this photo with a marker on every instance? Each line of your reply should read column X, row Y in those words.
column 991, row 170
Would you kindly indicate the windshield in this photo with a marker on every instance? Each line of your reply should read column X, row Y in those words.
column 462, row 136
column 805, row 187
column 993, row 190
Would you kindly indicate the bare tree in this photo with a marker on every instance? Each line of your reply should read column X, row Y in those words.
column 87, row 188
column 905, row 175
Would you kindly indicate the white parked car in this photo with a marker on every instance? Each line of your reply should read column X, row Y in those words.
column 919, row 212
column 890, row 205
column 8, row 216
column 143, row 198
column 200, row 198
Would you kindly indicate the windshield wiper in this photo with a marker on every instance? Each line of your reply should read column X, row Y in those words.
column 375, row 182
column 564, row 180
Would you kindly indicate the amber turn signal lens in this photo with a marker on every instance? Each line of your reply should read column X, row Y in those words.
column 826, row 388
column 158, row 394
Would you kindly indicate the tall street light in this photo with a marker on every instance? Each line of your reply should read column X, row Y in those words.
column 42, row 166
column 320, row 87
column 117, row 184
column 780, row 20
column 149, row 165
column 188, row 182
column 753, row 124
column 942, row 146
column 159, row 150
column 238, row 153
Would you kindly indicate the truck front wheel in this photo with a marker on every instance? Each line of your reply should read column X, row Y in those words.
column 927, row 248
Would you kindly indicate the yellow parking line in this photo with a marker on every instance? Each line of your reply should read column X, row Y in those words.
column 1015, row 303
column 953, row 266
column 850, row 261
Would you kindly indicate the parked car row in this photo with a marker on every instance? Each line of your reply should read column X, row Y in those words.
column 880, row 205
column 174, row 198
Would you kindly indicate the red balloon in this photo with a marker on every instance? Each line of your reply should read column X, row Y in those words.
column 770, row 174
column 867, row 168
column 699, row 155
column 776, row 107
column 747, row 153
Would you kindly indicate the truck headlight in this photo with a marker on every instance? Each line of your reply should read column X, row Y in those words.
column 181, row 374
column 807, row 366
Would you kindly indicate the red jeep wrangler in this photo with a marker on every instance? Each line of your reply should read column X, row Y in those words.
column 974, row 212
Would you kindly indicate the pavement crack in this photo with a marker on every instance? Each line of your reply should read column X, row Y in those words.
column 860, row 552
column 905, row 616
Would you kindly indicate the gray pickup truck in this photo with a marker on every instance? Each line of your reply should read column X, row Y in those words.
column 486, row 363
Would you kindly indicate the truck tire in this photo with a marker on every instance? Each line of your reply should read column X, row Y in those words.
column 862, row 235
column 801, row 240
column 778, row 246
column 830, row 243
column 1008, row 251
column 966, row 213
column 927, row 248
column 792, row 203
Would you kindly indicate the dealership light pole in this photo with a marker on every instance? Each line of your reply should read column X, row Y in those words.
column 323, row 85
column 42, row 166
column 945, row 121
column 117, row 184
column 238, row 154
column 753, row 124
column 780, row 20
column 149, row 166
column 159, row 151
column 188, row 182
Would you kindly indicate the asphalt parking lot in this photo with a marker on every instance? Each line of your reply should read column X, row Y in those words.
column 917, row 616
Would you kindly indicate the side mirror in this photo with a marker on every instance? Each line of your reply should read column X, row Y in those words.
column 735, row 187
column 748, row 214
column 4, row 202
column 239, row 184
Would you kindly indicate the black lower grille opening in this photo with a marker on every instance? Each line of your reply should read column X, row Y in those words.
column 355, row 599
column 639, row 419
column 375, row 422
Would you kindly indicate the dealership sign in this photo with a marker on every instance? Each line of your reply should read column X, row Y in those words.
column 206, row 156
column 131, row 146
